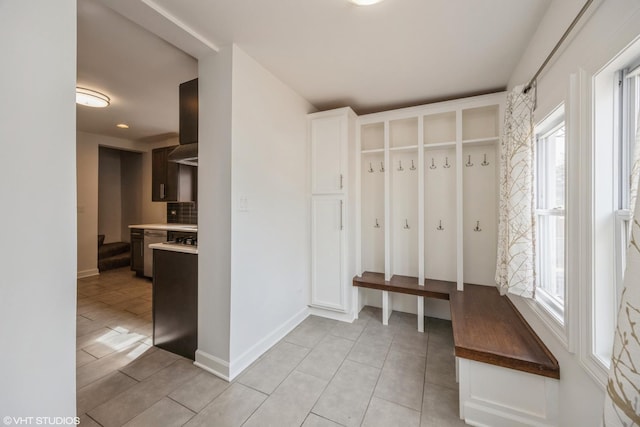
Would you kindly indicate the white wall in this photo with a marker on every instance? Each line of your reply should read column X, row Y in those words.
column 214, row 210
column 37, row 182
column 109, row 195
column 270, row 239
column 87, row 145
column 610, row 26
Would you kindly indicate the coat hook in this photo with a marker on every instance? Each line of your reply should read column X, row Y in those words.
column 446, row 163
column 440, row 227
column 370, row 168
column 484, row 162
column 377, row 225
column 433, row 165
column 413, row 167
column 381, row 166
column 469, row 164
column 477, row 226
column 406, row 224
column 400, row 168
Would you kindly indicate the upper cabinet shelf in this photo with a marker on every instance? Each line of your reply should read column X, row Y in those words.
column 440, row 128
column 480, row 123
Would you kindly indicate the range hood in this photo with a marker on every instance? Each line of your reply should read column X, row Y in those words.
column 187, row 152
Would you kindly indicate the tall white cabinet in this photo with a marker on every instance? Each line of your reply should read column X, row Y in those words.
column 332, row 140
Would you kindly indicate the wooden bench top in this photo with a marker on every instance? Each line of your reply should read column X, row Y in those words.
column 405, row 285
column 486, row 326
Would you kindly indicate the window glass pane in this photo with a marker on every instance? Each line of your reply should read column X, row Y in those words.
column 551, row 255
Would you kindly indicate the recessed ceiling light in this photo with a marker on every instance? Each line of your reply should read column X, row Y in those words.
column 91, row 98
column 364, row 2
column 122, row 126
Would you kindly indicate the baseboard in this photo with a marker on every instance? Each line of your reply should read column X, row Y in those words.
column 330, row 314
column 88, row 273
column 212, row 364
column 241, row 363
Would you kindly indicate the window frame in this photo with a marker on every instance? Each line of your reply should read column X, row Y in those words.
column 543, row 303
column 606, row 230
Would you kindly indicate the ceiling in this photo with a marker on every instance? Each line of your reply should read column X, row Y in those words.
column 393, row 54
column 137, row 70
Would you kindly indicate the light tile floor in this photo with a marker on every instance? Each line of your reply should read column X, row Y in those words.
column 324, row 373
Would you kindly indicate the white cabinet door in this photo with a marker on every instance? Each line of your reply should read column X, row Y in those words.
column 328, row 155
column 327, row 240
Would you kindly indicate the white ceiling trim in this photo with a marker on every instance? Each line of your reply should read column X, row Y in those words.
column 159, row 21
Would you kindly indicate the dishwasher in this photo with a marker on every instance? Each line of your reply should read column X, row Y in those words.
column 151, row 236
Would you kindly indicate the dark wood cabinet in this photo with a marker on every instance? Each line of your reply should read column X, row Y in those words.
column 171, row 182
column 189, row 112
column 175, row 302
column 137, row 251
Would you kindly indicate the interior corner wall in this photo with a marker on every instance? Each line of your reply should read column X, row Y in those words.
column 38, row 245
column 606, row 30
column 109, row 194
column 87, row 161
column 270, row 249
column 131, row 191
column 214, row 210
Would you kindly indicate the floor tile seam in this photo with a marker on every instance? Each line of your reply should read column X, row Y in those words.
column 186, row 407
column 454, row 387
column 403, row 405
column 93, row 419
column 323, row 417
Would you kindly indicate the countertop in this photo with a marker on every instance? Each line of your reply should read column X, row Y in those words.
column 173, row 247
column 168, row 227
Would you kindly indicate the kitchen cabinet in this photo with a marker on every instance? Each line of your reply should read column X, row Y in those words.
column 332, row 138
column 137, row 251
column 171, row 182
column 175, row 302
column 189, row 112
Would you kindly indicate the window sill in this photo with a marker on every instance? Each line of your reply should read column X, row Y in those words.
column 551, row 321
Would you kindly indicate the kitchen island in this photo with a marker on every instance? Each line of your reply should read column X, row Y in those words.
column 175, row 298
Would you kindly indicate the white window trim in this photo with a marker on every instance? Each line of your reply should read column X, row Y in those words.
column 599, row 308
column 559, row 324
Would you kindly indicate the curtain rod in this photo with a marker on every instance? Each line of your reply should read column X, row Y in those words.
column 557, row 46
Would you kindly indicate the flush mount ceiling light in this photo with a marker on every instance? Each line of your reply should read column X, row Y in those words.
column 122, row 126
column 364, row 2
column 91, row 98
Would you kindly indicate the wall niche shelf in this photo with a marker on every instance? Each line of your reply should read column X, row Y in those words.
column 415, row 187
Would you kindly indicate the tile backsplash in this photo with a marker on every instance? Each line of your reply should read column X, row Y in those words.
column 182, row 213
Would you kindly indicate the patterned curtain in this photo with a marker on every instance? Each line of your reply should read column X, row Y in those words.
column 515, row 270
column 622, row 401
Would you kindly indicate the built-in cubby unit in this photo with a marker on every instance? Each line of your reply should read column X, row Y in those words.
column 428, row 203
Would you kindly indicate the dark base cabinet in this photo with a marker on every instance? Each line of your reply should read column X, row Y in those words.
column 137, row 251
column 175, row 302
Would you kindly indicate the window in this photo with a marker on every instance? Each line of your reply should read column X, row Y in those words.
column 550, row 214
column 609, row 173
column 627, row 176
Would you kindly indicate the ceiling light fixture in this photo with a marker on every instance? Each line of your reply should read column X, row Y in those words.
column 122, row 126
column 364, row 2
column 91, row 98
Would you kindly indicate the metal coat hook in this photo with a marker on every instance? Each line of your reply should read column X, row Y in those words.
column 433, row 165
column 406, row 224
column 446, row 163
column 370, row 168
column 413, row 167
column 440, row 227
column 377, row 225
column 381, row 166
column 477, row 226
column 400, row 168
column 484, row 162
column 469, row 164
